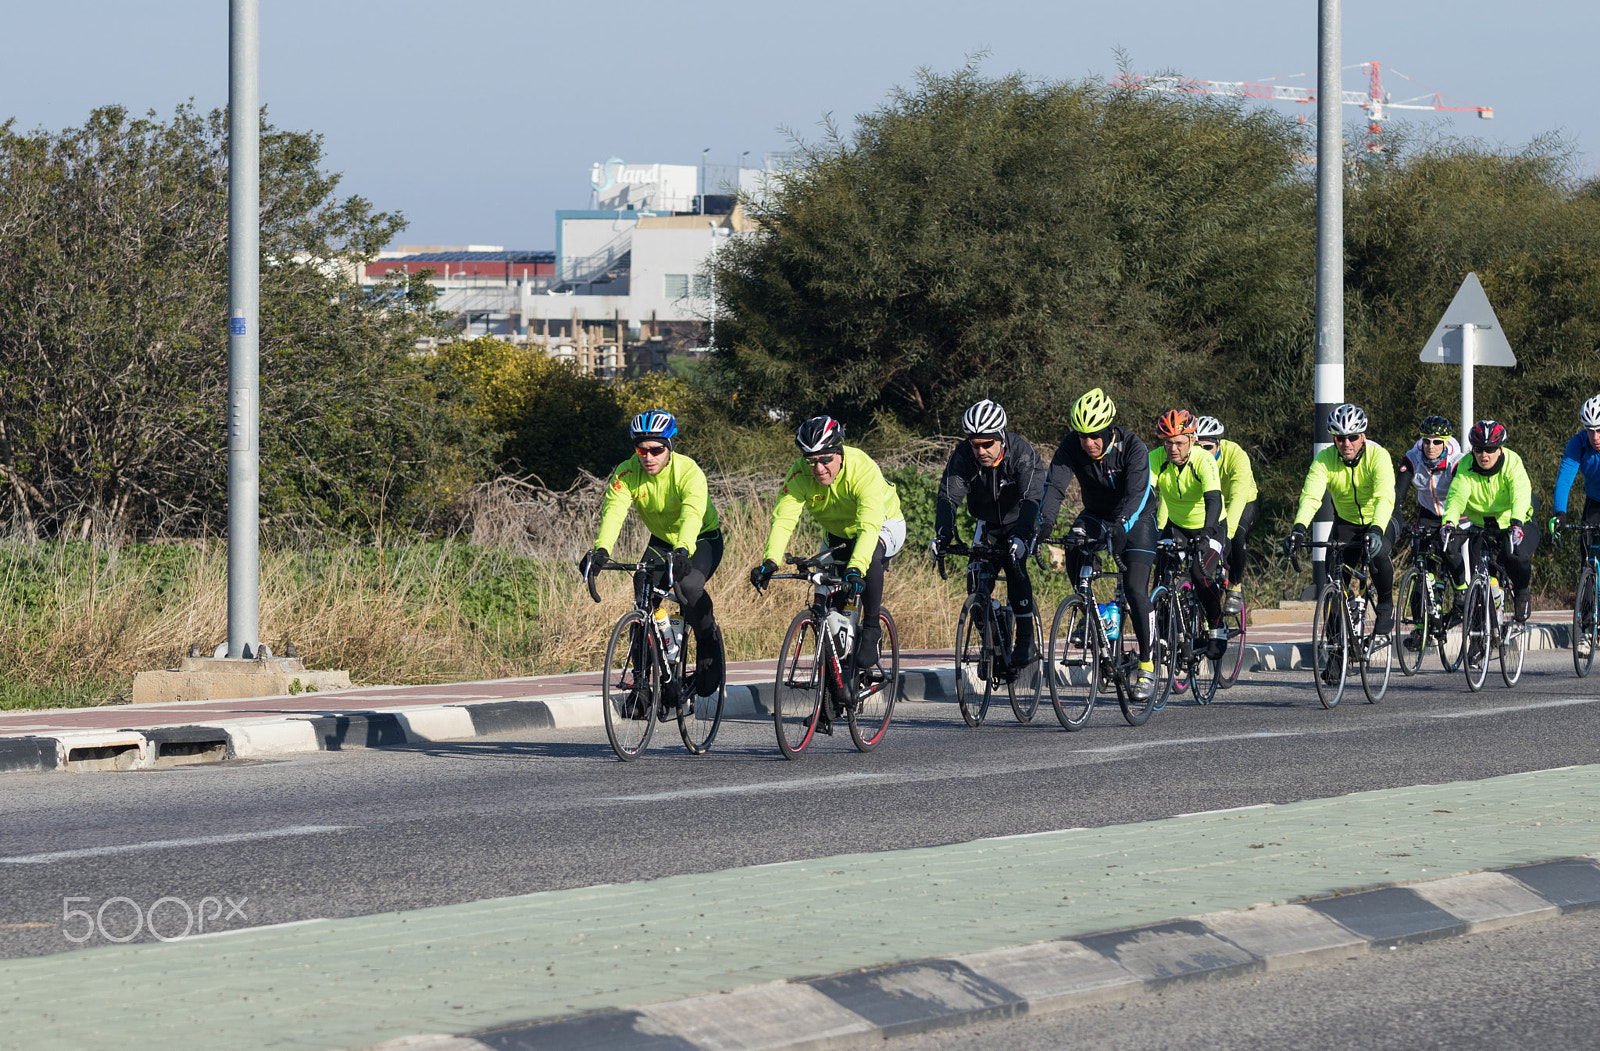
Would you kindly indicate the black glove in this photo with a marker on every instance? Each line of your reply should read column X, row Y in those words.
column 593, row 562
column 680, row 563
column 1296, row 537
column 763, row 573
column 854, row 582
column 1513, row 538
column 1374, row 541
column 1019, row 549
column 940, row 542
column 1557, row 522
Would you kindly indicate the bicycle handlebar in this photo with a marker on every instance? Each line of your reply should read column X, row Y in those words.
column 634, row 567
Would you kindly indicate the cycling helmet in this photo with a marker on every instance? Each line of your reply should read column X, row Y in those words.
column 1346, row 420
column 1589, row 415
column 1487, row 434
column 1207, row 427
column 984, row 420
column 1435, row 427
column 654, row 424
column 1093, row 412
column 820, row 434
column 1174, row 423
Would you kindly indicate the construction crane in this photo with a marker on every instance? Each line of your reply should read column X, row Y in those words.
column 1375, row 100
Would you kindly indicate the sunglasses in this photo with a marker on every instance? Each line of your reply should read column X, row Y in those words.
column 819, row 460
column 983, row 443
column 1209, row 447
column 650, row 450
column 1347, row 439
column 1434, row 441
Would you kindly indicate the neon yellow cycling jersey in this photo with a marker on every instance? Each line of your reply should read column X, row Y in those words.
column 1238, row 480
column 674, row 505
column 856, row 505
column 1183, row 489
column 1363, row 493
column 1506, row 495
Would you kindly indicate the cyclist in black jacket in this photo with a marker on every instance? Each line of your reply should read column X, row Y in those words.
column 1000, row 475
column 1112, row 467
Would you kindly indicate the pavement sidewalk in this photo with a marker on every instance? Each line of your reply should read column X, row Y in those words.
column 184, row 732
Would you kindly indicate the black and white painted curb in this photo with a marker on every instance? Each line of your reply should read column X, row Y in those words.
column 866, row 1006
column 1294, row 656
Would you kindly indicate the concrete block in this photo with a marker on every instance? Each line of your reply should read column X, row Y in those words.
column 1055, row 974
column 271, row 736
column 921, row 996
column 576, row 710
column 216, row 679
column 28, row 754
column 1171, row 952
column 443, row 722
column 1286, row 935
column 101, row 749
column 1485, row 899
column 756, row 1019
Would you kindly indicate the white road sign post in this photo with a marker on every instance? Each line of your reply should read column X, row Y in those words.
column 1468, row 334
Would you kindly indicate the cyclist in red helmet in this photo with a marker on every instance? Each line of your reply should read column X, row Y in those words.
column 1493, row 491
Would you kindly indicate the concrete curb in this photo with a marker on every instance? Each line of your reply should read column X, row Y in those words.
column 1295, row 656
column 868, row 1006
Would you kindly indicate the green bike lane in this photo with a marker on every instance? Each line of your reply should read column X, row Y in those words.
column 354, row 982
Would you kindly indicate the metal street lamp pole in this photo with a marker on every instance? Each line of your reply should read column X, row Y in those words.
column 1328, row 381
column 244, row 312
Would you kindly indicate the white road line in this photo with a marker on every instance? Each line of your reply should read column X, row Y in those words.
column 725, row 790
column 163, row 844
column 1511, row 708
column 1227, row 810
column 252, row 930
column 1030, row 835
column 1110, row 749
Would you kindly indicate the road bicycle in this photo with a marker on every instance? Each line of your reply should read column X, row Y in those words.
column 1181, row 626
column 1093, row 647
column 649, row 671
column 984, row 630
column 817, row 664
column 1422, row 607
column 1342, row 627
column 1483, row 619
column 1586, row 601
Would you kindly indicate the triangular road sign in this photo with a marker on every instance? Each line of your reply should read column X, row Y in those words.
column 1469, row 307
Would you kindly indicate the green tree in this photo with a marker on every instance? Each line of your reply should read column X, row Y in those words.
column 113, row 344
column 1024, row 241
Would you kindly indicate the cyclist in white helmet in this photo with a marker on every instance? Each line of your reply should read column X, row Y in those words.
column 674, row 503
column 1581, row 456
column 1001, row 477
column 1239, row 495
column 1359, row 477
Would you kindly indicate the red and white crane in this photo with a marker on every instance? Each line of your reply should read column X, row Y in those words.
column 1375, row 100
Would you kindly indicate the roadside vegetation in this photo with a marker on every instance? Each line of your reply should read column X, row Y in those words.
column 972, row 237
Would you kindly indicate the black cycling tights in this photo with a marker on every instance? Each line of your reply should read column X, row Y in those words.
column 868, row 644
column 696, row 611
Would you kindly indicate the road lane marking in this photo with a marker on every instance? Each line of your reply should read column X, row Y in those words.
column 1109, row 749
column 163, row 844
column 254, row 930
column 735, row 789
column 1226, row 810
column 1511, row 708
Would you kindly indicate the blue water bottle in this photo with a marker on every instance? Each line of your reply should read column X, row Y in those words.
column 1111, row 617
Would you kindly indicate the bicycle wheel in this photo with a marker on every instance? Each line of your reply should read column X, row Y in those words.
column 1584, row 625
column 1166, row 649
column 1330, row 646
column 802, row 678
column 1376, row 654
column 1475, row 634
column 1028, row 683
column 1513, row 648
column 630, row 687
column 1072, row 668
column 974, row 660
column 1233, row 660
column 1411, row 619
column 698, row 717
column 1205, row 673
column 1125, row 652
column 874, row 701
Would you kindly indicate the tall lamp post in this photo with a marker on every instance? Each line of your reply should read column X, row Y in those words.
column 1328, row 378
column 244, row 312
column 703, row 179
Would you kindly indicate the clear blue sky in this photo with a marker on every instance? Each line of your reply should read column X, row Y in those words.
column 478, row 120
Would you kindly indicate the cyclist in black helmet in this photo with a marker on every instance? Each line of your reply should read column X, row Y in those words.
column 1000, row 476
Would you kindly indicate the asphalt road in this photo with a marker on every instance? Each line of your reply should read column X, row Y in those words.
column 342, row 834
column 1527, row 986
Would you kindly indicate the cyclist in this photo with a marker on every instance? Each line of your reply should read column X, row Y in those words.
column 1238, row 497
column 1000, row 476
column 1112, row 467
column 1493, row 491
column 1190, row 505
column 1359, row 476
column 849, row 498
column 670, row 492
column 1582, row 455
column 1427, row 469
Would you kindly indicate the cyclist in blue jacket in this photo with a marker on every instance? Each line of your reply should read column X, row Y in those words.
column 1582, row 454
